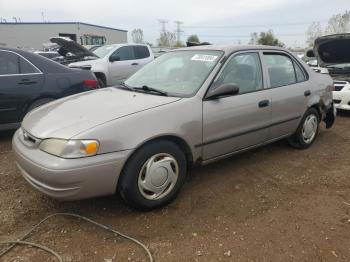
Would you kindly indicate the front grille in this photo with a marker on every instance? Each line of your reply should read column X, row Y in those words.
column 339, row 85
column 337, row 101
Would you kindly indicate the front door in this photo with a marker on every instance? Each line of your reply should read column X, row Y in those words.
column 240, row 121
column 124, row 66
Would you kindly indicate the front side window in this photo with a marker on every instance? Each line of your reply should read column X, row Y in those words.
column 281, row 69
column 179, row 73
column 243, row 70
column 124, row 53
column 9, row 63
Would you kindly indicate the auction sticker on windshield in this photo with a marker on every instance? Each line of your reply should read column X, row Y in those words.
column 205, row 58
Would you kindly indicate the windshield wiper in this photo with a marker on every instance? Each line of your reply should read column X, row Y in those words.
column 125, row 86
column 146, row 88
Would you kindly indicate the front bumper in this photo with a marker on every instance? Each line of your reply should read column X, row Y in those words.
column 69, row 179
column 341, row 100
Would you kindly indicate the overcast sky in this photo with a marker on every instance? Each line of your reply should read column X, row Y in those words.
column 218, row 21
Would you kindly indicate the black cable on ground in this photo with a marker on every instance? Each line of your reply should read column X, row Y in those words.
column 22, row 242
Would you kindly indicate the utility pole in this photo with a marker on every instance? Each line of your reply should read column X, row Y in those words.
column 163, row 24
column 178, row 31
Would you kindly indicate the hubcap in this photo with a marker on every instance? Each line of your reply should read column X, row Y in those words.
column 309, row 128
column 158, row 176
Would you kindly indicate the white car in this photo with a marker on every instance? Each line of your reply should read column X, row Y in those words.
column 333, row 56
column 112, row 64
column 115, row 63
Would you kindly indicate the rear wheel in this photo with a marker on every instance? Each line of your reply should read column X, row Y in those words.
column 307, row 131
column 153, row 176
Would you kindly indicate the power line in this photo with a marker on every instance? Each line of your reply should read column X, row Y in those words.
column 249, row 26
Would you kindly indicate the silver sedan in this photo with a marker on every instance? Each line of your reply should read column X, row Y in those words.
column 189, row 106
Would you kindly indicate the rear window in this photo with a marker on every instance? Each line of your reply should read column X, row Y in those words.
column 9, row 63
column 141, row 52
column 26, row 67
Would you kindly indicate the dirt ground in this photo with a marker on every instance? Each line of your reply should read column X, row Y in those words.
column 274, row 203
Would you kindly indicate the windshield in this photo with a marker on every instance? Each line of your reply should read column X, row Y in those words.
column 103, row 51
column 179, row 73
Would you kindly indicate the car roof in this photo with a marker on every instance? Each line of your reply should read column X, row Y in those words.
column 232, row 48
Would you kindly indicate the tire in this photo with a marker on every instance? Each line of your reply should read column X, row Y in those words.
column 305, row 136
column 39, row 103
column 101, row 83
column 162, row 156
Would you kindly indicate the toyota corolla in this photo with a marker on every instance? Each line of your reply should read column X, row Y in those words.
column 190, row 106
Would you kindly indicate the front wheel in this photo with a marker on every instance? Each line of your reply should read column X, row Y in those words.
column 307, row 131
column 153, row 176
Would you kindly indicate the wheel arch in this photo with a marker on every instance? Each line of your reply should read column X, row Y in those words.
column 101, row 76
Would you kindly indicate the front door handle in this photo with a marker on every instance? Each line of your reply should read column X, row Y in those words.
column 135, row 64
column 264, row 103
column 307, row 93
column 26, row 82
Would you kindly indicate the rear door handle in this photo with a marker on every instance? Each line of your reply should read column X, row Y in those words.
column 307, row 93
column 264, row 103
column 135, row 64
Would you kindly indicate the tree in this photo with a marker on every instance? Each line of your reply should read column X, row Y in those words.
column 314, row 31
column 193, row 39
column 267, row 38
column 167, row 39
column 339, row 23
column 137, row 36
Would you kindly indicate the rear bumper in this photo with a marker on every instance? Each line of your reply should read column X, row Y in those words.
column 69, row 179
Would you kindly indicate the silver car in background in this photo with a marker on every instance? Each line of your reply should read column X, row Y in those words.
column 190, row 106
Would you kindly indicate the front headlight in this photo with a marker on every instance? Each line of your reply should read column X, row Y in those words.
column 70, row 148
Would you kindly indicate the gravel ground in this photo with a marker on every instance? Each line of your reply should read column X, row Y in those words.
column 274, row 203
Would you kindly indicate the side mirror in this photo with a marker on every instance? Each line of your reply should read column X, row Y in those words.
column 223, row 90
column 114, row 58
column 310, row 53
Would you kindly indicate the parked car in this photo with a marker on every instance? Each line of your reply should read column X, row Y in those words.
column 117, row 62
column 333, row 53
column 28, row 80
column 48, row 54
column 189, row 106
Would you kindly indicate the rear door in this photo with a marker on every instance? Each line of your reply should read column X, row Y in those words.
column 240, row 121
column 142, row 55
column 124, row 67
column 289, row 93
column 20, row 81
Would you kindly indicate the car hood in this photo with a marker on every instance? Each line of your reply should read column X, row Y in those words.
column 332, row 49
column 68, row 45
column 70, row 116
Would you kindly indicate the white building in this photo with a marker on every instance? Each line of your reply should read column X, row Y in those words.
column 34, row 35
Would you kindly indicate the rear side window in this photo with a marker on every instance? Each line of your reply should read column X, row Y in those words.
column 9, row 63
column 299, row 73
column 141, row 52
column 125, row 53
column 26, row 67
column 281, row 70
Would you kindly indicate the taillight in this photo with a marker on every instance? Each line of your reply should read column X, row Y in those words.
column 91, row 83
